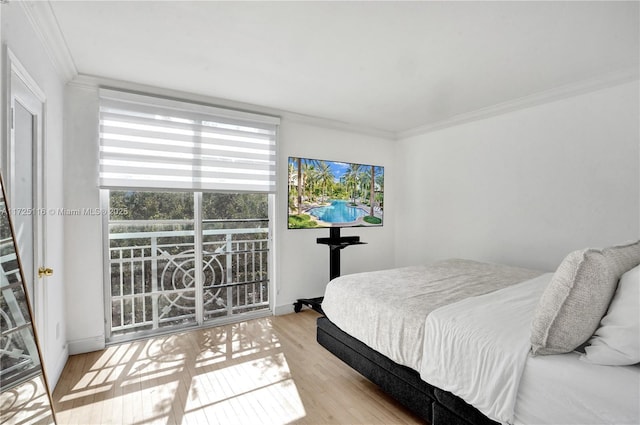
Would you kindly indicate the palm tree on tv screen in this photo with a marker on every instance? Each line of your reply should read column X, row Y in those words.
column 291, row 172
column 299, row 161
column 325, row 177
column 352, row 177
column 372, row 195
column 307, row 178
column 312, row 181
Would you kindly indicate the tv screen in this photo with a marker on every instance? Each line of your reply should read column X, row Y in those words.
column 334, row 194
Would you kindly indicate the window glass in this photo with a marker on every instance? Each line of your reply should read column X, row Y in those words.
column 235, row 253
column 160, row 276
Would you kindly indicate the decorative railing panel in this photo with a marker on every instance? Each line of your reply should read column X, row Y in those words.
column 155, row 275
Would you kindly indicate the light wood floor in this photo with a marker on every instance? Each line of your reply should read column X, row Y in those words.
column 264, row 371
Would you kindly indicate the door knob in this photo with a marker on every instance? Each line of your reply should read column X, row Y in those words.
column 45, row 271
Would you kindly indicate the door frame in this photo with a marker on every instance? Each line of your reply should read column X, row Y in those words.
column 13, row 67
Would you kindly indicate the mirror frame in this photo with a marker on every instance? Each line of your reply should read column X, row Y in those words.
column 29, row 308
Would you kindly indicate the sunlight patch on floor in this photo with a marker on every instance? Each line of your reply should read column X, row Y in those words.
column 153, row 374
column 276, row 404
column 223, row 378
column 242, row 393
column 87, row 392
column 233, row 374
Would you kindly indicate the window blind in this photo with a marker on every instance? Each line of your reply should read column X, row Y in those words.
column 149, row 142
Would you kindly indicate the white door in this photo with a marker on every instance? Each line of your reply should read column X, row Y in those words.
column 25, row 183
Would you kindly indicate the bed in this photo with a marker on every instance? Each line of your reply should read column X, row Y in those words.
column 452, row 341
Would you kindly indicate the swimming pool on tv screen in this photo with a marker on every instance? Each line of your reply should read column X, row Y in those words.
column 338, row 212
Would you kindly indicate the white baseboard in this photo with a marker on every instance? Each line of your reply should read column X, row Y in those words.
column 283, row 309
column 86, row 345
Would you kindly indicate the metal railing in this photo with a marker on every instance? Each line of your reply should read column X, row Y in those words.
column 159, row 279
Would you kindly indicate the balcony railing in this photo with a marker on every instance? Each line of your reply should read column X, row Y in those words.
column 159, row 279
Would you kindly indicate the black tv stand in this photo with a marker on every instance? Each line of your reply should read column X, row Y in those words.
column 336, row 243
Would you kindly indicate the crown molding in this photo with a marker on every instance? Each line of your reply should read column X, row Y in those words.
column 338, row 125
column 89, row 82
column 563, row 92
column 92, row 82
column 45, row 25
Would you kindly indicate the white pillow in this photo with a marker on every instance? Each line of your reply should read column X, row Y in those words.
column 577, row 297
column 617, row 341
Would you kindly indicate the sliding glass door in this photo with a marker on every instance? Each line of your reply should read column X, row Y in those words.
column 182, row 259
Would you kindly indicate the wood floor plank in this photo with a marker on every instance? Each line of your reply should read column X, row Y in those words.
column 268, row 371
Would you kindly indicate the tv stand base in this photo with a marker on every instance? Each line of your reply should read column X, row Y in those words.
column 314, row 303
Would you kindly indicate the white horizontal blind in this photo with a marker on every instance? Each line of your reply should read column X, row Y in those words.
column 155, row 143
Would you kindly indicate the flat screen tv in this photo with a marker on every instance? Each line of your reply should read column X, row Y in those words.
column 334, row 194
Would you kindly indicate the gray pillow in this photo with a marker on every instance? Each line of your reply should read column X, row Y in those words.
column 578, row 296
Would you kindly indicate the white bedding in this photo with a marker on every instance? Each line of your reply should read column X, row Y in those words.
column 465, row 326
column 562, row 389
column 387, row 309
column 477, row 348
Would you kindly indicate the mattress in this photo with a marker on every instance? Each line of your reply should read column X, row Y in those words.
column 386, row 310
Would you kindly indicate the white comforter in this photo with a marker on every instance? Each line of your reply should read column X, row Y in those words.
column 387, row 309
column 477, row 348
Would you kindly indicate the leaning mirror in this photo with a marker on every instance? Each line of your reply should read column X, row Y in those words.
column 24, row 394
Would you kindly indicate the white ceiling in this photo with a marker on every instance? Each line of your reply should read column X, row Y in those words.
column 390, row 66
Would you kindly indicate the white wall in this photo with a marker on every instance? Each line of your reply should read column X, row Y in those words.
column 302, row 266
column 526, row 187
column 83, row 236
column 19, row 36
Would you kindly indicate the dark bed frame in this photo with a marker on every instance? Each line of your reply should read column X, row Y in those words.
column 430, row 403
